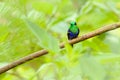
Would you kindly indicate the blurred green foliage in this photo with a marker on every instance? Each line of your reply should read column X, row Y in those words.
column 27, row 26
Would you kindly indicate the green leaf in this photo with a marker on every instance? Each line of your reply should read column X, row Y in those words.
column 48, row 71
column 45, row 39
column 113, row 42
column 101, row 6
column 2, row 76
column 87, row 7
column 60, row 28
column 4, row 33
column 91, row 69
column 43, row 6
column 108, row 58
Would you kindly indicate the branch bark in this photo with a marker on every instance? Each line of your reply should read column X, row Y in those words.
column 43, row 52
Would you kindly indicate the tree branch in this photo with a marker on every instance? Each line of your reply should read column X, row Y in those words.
column 43, row 52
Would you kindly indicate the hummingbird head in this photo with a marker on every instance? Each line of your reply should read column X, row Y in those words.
column 73, row 23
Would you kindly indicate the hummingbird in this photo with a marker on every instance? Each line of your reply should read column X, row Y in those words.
column 73, row 31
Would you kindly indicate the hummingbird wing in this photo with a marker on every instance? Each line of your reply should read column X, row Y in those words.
column 72, row 35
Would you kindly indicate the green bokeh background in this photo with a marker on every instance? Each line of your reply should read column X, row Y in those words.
column 27, row 26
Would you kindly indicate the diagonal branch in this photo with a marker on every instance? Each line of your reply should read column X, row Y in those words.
column 43, row 52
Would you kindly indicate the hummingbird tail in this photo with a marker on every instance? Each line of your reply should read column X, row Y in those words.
column 72, row 45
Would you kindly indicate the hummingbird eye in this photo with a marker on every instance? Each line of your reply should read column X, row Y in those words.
column 73, row 23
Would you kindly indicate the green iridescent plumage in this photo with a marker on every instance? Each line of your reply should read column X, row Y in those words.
column 73, row 31
column 73, row 27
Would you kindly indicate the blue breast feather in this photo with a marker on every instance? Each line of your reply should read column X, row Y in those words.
column 72, row 35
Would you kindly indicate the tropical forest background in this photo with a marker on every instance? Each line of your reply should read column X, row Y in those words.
column 27, row 26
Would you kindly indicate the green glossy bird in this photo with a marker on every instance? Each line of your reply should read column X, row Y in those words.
column 73, row 31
